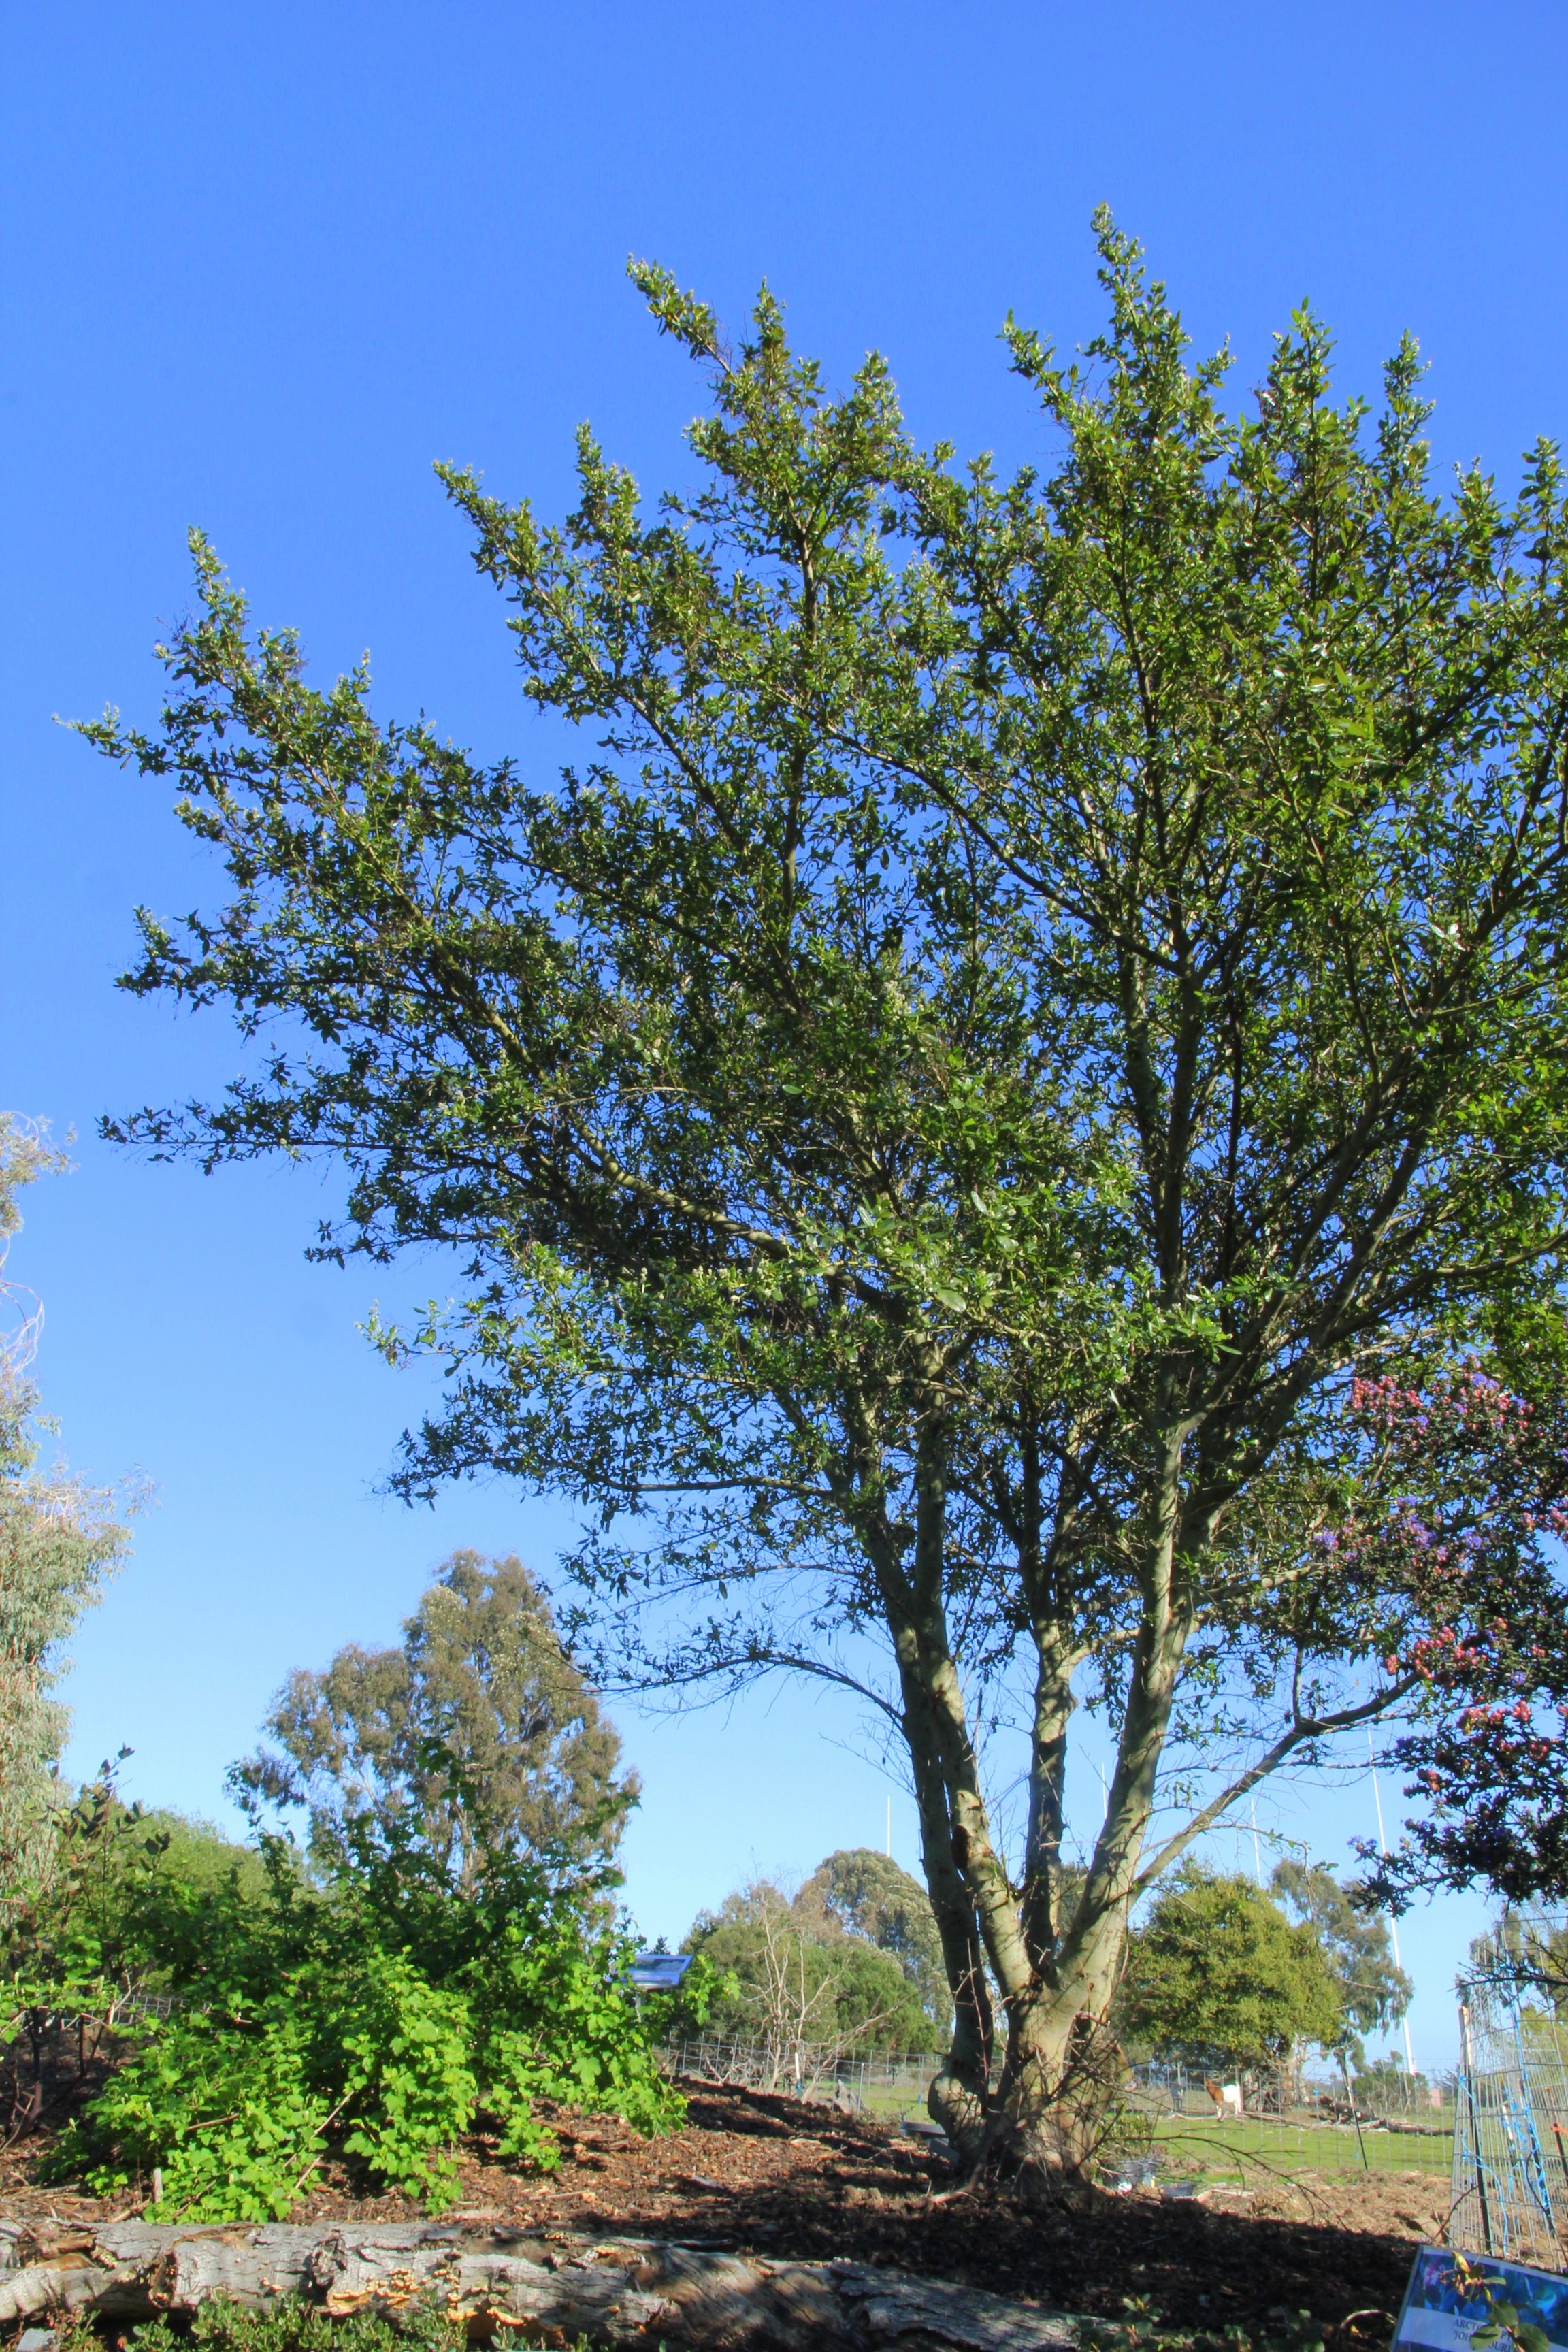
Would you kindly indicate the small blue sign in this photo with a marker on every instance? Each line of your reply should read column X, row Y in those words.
column 659, row 1971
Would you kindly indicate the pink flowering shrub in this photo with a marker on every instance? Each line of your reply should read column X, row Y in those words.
column 1473, row 1487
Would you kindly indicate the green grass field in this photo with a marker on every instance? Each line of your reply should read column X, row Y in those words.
column 1248, row 2150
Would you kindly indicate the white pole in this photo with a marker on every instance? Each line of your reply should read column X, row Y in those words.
column 889, row 1829
column 1256, row 1854
column 1392, row 1922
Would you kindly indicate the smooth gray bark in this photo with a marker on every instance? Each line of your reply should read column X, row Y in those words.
column 617, row 2292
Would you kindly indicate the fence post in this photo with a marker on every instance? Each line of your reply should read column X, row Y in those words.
column 1467, row 2062
column 1355, row 2118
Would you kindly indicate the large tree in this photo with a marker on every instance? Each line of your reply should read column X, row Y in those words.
column 1035, row 982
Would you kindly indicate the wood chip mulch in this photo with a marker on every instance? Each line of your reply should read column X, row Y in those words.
column 773, row 2175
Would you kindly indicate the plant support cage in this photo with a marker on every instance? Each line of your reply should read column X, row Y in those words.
column 1511, row 2131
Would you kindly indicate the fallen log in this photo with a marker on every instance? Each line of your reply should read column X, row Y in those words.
column 617, row 2291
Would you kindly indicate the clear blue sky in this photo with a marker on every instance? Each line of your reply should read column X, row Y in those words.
column 259, row 268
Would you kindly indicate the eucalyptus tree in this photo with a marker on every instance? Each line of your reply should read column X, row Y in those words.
column 1034, row 982
column 60, row 1537
column 481, row 1680
column 869, row 1894
column 1374, row 1991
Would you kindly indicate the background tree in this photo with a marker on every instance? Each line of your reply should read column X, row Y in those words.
column 58, row 1538
column 1387, row 2083
column 809, row 1989
column 1219, row 1970
column 1373, row 1992
column 870, row 1896
column 1034, row 984
column 481, row 1678
column 75, row 1940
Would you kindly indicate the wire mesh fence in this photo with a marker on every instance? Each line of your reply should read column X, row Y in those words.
column 1288, row 2121
column 106, row 2008
column 1182, row 2123
column 881, row 2081
column 1511, row 2146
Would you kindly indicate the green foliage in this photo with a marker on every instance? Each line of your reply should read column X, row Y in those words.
column 221, row 2325
column 1140, row 2331
column 127, row 1898
column 374, row 2013
column 226, row 2111
column 1218, row 1968
column 1029, row 983
column 794, row 1974
column 481, row 1674
column 1375, row 1993
column 58, row 1539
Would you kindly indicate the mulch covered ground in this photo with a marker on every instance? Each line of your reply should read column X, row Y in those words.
column 769, row 2174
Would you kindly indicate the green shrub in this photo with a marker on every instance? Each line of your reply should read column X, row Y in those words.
column 374, row 2015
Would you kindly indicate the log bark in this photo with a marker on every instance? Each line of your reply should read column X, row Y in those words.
column 617, row 2292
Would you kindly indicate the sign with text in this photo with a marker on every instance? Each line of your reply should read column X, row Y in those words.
column 1451, row 2296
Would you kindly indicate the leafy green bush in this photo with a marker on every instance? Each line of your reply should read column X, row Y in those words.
column 374, row 2015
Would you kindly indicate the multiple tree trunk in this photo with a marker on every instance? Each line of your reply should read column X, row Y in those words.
column 617, row 2291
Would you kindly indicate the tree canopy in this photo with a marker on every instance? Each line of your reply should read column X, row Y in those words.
column 1035, row 985
column 481, row 1684
column 1373, row 1991
column 869, row 1894
column 1219, row 1971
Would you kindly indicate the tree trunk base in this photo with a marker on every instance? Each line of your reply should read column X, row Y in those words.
column 615, row 2292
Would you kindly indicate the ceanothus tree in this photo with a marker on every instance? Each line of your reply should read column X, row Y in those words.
column 1034, row 984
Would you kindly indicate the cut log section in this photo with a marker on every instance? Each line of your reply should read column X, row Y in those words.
column 615, row 2292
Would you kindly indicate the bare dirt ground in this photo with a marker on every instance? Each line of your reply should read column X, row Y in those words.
column 752, row 2171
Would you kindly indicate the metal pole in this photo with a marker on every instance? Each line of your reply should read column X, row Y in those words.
column 1392, row 1922
column 1466, row 2059
column 1350, row 2093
